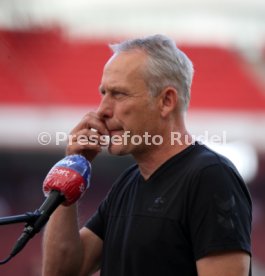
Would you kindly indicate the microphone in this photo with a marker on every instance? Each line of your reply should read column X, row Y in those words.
column 65, row 183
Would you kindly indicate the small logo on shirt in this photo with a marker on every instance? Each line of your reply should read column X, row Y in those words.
column 158, row 204
column 226, row 212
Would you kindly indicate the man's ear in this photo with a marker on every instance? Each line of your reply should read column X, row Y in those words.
column 168, row 101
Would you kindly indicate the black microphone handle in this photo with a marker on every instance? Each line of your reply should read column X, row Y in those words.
column 54, row 199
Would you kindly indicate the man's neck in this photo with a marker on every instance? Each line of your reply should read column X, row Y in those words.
column 152, row 159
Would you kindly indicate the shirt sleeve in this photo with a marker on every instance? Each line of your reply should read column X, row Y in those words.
column 220, row 212
column 96, row 223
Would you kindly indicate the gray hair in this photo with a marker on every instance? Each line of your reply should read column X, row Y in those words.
column 167, row 65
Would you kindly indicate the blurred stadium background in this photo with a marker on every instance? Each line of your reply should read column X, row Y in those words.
column 51, row 59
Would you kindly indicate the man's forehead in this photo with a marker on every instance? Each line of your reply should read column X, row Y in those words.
column 122, row 68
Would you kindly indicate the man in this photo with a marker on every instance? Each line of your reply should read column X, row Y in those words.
column 181, row 210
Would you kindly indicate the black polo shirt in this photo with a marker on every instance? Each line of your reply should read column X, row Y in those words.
column 195, row 204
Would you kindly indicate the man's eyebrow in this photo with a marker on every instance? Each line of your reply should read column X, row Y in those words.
column 112, row 89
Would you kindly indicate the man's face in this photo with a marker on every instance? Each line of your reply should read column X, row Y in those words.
column 126, row 107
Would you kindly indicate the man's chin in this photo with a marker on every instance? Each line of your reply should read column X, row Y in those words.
column 117, row 150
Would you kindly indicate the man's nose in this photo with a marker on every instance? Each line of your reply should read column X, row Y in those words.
column 105, row 109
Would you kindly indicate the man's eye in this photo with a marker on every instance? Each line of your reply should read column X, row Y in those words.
column 118, row 94
column 102, row 92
